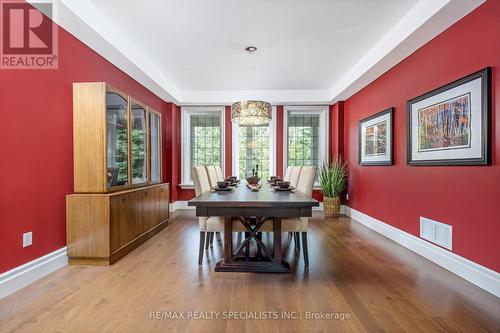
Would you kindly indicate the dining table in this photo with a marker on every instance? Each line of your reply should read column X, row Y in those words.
column 253, row 209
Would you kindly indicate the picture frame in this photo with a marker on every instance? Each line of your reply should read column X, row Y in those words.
column 375, row 139
column 450, row 125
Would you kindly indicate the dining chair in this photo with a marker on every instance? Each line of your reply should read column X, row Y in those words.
column 213, row 224
column 220, row 175
column 212, row 176
column 294, row 176
column 288, row 173
column 208, row 225
column 299, row 225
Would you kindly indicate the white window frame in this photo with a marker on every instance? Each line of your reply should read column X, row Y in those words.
column 186, row 112
column 272, row 146
column 322, row 111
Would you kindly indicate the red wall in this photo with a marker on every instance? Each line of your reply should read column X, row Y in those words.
column 467, row 197
column 36, row 166
column 36, row 163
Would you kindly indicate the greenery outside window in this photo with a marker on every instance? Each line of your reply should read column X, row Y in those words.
column 306, row 135
column 202, row 139
column 252, row 146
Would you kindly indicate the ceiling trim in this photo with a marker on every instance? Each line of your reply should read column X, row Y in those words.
column 423, row 22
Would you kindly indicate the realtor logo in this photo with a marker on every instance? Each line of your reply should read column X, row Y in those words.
column 29, row 37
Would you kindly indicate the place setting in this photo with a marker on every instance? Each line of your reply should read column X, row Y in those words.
column 226, row 185
column 280, row 185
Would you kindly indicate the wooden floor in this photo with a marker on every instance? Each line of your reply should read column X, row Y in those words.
column 355, row 274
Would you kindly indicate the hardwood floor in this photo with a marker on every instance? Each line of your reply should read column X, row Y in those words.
column 353, row 271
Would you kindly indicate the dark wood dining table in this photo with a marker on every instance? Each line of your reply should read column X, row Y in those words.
column 253, row 210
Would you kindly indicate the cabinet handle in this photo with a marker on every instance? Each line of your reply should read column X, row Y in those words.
column 123, row 200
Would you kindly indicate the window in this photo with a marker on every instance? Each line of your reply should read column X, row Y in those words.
column 202, row 139
column 252, row 146
column 306, row 135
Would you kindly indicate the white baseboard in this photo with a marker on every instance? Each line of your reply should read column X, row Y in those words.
column 319, row 208
column 23, row 275
column 179, row 205
column 481, row 276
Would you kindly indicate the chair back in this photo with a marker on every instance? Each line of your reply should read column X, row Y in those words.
column 212, row 175
column 288, row 173
column 220, row 175
column 294, row 176
column 200, row 179
column 306, row 179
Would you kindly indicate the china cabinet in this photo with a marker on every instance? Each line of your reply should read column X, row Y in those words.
column 119, row 200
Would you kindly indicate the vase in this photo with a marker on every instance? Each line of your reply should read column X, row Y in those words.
column 331, row 206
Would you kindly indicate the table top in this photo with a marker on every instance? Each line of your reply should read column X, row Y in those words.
column 242, row 196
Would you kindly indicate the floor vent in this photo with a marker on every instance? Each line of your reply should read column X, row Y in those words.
column 436, row 232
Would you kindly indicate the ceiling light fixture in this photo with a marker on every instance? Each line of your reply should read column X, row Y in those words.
column 250, row 49
column 251, row 112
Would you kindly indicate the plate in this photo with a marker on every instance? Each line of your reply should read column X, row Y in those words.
column 226, row 189
column 280, row 189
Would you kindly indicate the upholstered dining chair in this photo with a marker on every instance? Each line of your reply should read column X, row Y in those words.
column 288, row 173
column 299, row 225
column 208, row 225
column 212, row 175
column 294, row 176
column 218, row 171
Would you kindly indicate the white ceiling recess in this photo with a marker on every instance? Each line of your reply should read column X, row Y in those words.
column 191, row 52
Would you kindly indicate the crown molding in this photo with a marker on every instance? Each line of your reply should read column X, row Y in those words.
column 423, row 22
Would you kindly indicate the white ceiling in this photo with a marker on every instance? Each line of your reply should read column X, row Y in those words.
column 302, row 44
column 309, row 51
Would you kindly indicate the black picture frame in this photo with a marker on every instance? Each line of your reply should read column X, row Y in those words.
column 485, row 159
column 389, row 111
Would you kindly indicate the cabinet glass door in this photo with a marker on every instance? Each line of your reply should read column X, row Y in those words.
column 116, row 140
column 155, row 147
column 139, row 145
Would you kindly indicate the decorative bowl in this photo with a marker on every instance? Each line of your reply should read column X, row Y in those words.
column 283, row 184
column 253, row 180
column 223, row 184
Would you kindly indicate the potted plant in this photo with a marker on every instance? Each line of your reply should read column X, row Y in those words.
column 332, row 179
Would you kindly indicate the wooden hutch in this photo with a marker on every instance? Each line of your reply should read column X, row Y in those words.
column 119, row 200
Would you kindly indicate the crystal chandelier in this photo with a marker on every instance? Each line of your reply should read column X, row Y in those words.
column 251, row 112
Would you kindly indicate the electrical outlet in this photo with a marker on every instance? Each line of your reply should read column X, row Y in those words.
column 347, row 196
column 27, row 239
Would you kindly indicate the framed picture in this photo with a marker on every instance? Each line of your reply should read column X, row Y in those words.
column 375, row 139
column 450, row 125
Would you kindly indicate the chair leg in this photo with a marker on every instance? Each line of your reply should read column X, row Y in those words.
column 202, row 245
column 212, row 235
column 207, row 243
column 306, row 252
column 297, row 244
